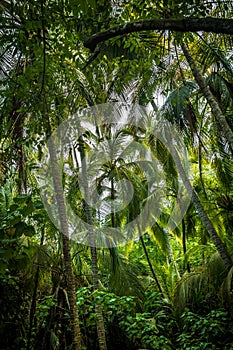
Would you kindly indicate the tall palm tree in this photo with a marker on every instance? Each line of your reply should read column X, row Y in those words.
column 15, row 17
column 92, row 241
column 220, row 246
column 56, row 176
column 113, row 157
column 216, row 110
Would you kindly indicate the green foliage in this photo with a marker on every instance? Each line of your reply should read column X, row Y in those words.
column 46, row 74
column 115, row 309
column 142, row 331
column 208, row 332
column 156, row 327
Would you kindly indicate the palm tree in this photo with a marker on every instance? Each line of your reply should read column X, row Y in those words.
column 92, row 242
column 114, row 161
column 14, row 16
column 221, row 248
column 216, row 110
column 76, row 333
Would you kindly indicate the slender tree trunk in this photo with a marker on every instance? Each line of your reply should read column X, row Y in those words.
column 216, row 110
column 98, row 308
column 186, row 265
column 33, row 303
column 220, row 246
column 69, row 275
column 149, row 261
column 112, row 208
column 151, row 267
column 92, row 241
column 200, row 170
column 57, row 182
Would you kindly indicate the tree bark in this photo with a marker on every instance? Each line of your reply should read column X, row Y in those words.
column 216, row 110
column 208, row 24
column 75, row 327
column 186, row 265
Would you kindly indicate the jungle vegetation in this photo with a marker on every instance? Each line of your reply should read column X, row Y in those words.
column 169, row 284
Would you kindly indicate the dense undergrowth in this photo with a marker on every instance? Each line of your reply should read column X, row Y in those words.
column 130, row 325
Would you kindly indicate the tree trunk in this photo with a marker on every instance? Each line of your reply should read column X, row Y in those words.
column 34, row 296
column 112, row 207
column 186, row 265
column 92, row 241
column 216, row 110
column 221, row 248
column 149, row 261
column 98, row 308
column 75, row 327
column 57, row 182
column 151, row 267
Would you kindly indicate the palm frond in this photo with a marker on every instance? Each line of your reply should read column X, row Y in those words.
column 174, row 108
column 226, row 289
column 192, row 290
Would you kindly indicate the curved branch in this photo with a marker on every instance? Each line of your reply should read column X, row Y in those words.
column 208, row 24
